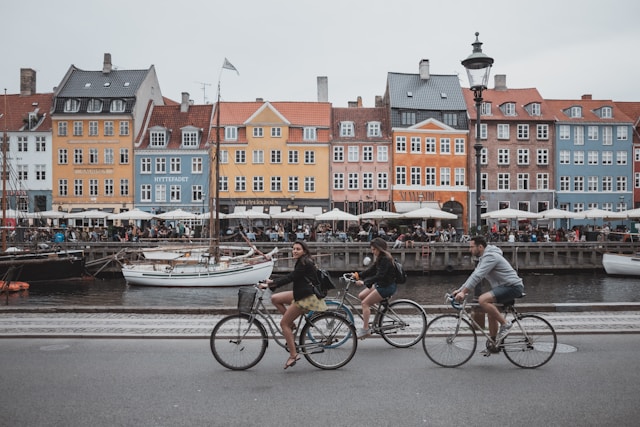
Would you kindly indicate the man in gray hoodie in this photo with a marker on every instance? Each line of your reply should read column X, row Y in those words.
column 504, row 280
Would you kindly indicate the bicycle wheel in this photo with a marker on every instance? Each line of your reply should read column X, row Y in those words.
column 449, row 341
column 402, row 323
column 531, row 341
column 335, row 307
column 238, row 342
column 328, row 340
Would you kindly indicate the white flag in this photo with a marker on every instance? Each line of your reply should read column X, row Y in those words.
column 229, row 66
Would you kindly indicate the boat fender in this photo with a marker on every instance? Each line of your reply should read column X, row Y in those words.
column 449, row 268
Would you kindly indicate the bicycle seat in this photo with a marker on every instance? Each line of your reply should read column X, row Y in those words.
column 513, row 301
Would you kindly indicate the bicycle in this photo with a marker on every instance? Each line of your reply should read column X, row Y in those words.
column 401, row 322
column 239, row 341
column 450, row 339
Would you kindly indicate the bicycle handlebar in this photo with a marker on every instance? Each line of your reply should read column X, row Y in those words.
column 450, row 299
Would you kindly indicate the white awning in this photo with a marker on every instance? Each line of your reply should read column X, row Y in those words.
column 402, row 207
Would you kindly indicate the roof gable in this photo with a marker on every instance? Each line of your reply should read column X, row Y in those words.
column 439, row 92
column 266, row 115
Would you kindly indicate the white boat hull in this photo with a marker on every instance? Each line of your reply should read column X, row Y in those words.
column 621, row 265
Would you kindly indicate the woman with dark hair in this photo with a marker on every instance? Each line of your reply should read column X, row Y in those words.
column 300, row 300
column 380, row 280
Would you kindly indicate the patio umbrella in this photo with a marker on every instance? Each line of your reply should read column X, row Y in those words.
column 293, row 214
column 177, row 214
column 632, row 213
column 337, row 215
column 510, row 214
column 248, row 214
column 379, row 214
column 595, row 213
column 428, row 213
column 207, row 215
column 90, row 214
column 132, row 215
column 558, row 214
column 52, row 214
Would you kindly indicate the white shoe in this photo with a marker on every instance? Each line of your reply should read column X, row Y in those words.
column 503, row 331
column 362, row 333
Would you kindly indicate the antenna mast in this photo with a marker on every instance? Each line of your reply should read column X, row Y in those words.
column 204, row 91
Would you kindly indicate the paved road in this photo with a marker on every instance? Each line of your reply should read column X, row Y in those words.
column 125, row 382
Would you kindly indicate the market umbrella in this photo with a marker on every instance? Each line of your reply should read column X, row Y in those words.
column 428, row 213
column 177, row 214
column 293, row 214
column 379, row 214
column 337, row 215
column 132, row 215
column 510, row 214
column 632, row 213
column 558, row 214
column 207, row 215
column 90, row 214
column 248, row 214
column 596, row 213
column 52, row 214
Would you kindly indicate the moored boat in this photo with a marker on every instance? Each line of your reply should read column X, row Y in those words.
column 13, row 286
column 621, row 264
column 43, row 266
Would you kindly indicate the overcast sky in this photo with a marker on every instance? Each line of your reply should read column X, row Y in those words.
column 564, row 48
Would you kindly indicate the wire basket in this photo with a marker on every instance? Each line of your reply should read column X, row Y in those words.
column 246, row 299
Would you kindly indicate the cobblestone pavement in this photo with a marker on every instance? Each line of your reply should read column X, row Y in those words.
column 168, row 325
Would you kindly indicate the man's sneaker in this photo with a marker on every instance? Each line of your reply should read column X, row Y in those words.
column 362, row 333
column 503, row 331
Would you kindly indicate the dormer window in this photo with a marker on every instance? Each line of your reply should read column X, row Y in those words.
column 94, row 106
column 347, row 129
column 485, row 109
column 534, row 109
column 373, row 129
column 309, row 134
column 575, row 112
column 158, row 137
column 606, row 113
column 509, row 108
column 231, row 133
column 71, row 106
column 117, row 106
column 190, row 137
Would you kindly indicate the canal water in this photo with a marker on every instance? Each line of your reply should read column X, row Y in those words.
column 588, row 287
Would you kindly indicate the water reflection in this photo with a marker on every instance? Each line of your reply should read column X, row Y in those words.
column 429, row 289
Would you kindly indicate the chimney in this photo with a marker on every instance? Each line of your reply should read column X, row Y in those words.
column 359, row 102
column 424, row 69
column 323, row 89
column 106, row 65
column 378, row 101
column 27, row 81
column 500, row 82
column 184, row 105
column 587, row 97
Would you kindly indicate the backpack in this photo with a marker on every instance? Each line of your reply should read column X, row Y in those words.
column 322, row 283
column 401, row 275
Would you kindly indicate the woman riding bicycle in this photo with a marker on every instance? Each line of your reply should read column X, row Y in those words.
column 301, row 299
column 380, row 280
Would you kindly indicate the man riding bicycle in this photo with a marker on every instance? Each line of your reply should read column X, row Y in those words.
column 504, row 280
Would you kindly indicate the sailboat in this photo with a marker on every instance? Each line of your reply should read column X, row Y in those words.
column 189, row 268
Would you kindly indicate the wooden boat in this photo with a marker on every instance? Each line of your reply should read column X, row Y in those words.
column 13, row 286
column 621, row 264
column 43, row 266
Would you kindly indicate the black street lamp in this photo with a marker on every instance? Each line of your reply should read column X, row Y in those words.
column 478, row 67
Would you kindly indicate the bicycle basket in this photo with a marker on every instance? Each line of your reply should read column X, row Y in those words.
column 246, row 299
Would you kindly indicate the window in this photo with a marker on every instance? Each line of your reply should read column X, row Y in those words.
column 607, row 183
column 62, row 128
column 77, row 156
column 578, row 183
column 124, row 128
column 189, row 138
column 564, row 132
column 175, row 193
column 352, row 153
column 575, row 112
column 607, row 157
column 430, row 145
column 607, row 135
column 124, row 156
column 401, row 144
column 276, row 184
column 77, row 128
column 503, row 131
column 564, row 157
column 223, row 183
column 63, row 187
column 504, row 181
column 196, row 165
column 71, row 106
column 241, row 157
column 367, row 180
column 241, row 183
column 63, row 156
column 450, row 119
column 523, row 181
column 523, row 131
column 367, row 153
column 523, row 156
column 622, row 133
column 258, row 184
column 445, row 176
column 23, row 172
column 41, row 172
column 383, row 153
column 93, row 156
column 592, row 133
column 483, row 131
column 408, row 118
column 459, row 177
column 276, row 132
column 309, row 157
column 401, row 175
column 258, row 132
column 109, row 157
column 108, row 128
column 338, row 181
column 257, row 156
column 578, row 157
column 347, row 129
column 415, row 175
column 108, row 187
column 485, row 109
column 542, row 132
column 373, row 129
column 175, row 165
column 503, row 156
column 542, row 181
column 445, row 146
column 145, row 193
column 117, row 106
column 621, row 158
column 542, row 156
column 161, row 193
column 309, row 134
column 383, row 181
column 230, row 133
column 338, row 154
column 592, row 183
column 41, row 144
column 276, row 156
column 145, row 165
column 293, row 184
column 564, row 183
column 77, row 187
column 94, row 106
column 416, row 144
column 158, row 138
column 352, row 181
column 124, row 187
column 197, row 194
column 161, row 165
column 578, row 138
column 93, row 187
column 592, row 158
column 93, row 128
column 534, row 109
column 509, row 109
column 606, row 113
column 459, row 146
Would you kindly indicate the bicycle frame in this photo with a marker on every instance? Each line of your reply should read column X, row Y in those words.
column 348, row 300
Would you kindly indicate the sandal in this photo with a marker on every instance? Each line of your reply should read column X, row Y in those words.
column 291, row 361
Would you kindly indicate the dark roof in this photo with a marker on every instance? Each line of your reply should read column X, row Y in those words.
column 96, row 84
column 439, row 92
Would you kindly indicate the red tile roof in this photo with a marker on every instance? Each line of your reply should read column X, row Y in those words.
column 18, row 108
column 558, row 106
column 521, row 98
column 170, row 117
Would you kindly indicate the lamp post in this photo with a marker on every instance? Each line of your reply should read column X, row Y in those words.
column 478, row 67
column 420, row 197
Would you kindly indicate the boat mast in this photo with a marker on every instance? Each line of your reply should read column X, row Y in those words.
column 214, row 224
column 4, row 175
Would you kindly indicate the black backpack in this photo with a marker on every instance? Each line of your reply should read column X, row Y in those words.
column 321, row 283
column 401, row 275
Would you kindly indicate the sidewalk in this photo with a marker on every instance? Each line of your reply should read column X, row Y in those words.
column 163, row 322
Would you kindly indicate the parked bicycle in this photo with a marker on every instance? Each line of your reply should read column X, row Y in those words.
column 400, row 322
column 451, row 339
column 239, row 341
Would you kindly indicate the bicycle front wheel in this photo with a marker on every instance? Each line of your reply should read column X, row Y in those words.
column 402, row 323
column 531, row 342
column 449, row 341
column 328, row 340
column 238, row 341
column 340, row 309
